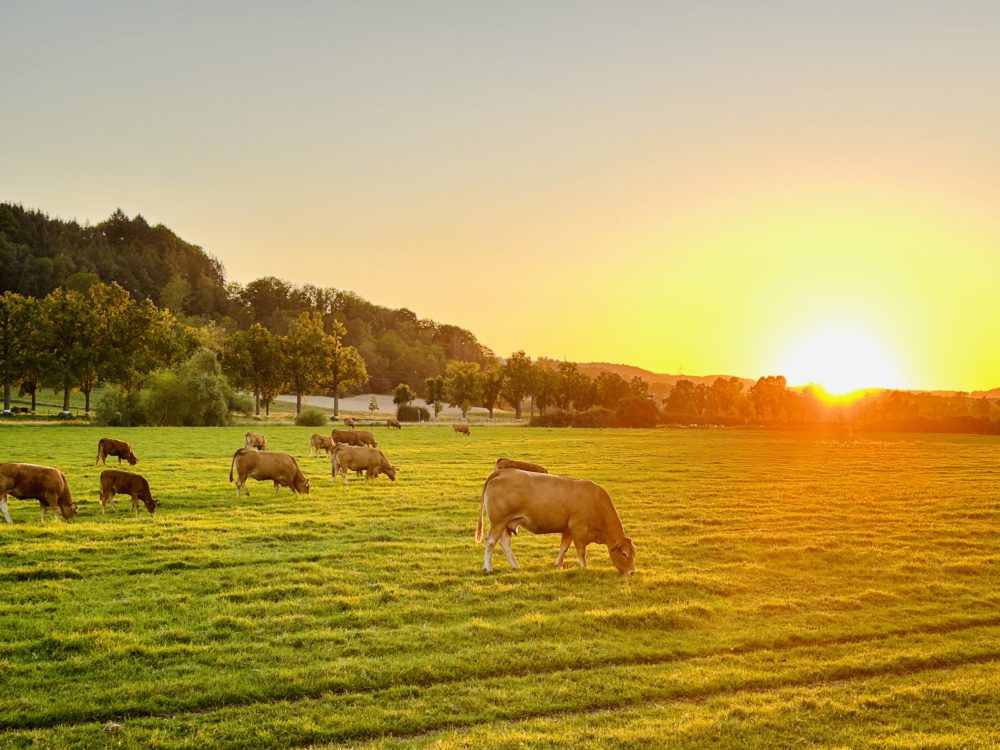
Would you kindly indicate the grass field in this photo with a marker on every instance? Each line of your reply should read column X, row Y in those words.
column 793, row 590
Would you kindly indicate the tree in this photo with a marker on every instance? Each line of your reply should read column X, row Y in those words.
column 252, row 359
column 16, row 315
column 67, row 320
column 373, row 405
column 462, row 385
column 545, row 385
column 683, row 399
column 517, row 373
column 402, row 395
column 610, row 388
column 345, row 367
column 306, row 355
column 490, row 385
column 434, row 393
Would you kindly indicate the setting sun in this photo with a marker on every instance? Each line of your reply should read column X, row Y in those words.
column 841, row 359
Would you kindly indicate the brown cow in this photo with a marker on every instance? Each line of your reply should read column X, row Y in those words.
column 549, row 504
column 279, row 468
column 32, row 482
column 393, row 423
column 255, row 440
column 349, row 422
column 370, row 460
column 115, row 482
column 111, row 447
column 510, row 463
column 366, row 438
column 462, row 428
column 319, row 443
column 347, row 437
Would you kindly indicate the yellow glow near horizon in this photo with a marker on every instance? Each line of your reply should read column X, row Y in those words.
column 841, row 359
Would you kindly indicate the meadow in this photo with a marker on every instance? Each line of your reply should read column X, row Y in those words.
column 793, row 589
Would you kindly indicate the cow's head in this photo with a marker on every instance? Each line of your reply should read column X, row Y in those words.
column 131, row 458
column 302, row 484
column 68, row 511
column 389, row 470
column 623, row 556
column 151, row 503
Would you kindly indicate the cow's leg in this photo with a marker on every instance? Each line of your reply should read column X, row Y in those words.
column 3, row 508
column 581, row 551
column 135, row 505
column 103, row 500
column 505, row 543
column 276, row 486
column 488, row 554
column 567, row 539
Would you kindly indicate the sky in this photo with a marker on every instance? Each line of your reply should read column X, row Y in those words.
column 798, row 188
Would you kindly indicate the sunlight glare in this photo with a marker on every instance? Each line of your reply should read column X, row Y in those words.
column 841, row 360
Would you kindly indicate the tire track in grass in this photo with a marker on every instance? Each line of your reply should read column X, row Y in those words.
column 780, row 646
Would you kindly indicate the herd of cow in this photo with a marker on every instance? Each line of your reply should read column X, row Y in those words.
column 516, row 494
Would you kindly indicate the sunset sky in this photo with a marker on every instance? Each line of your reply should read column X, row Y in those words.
column 810, row 189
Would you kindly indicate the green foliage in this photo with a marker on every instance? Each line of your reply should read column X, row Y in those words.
column 769, row 609
column 434, row 393
column 407, row 413
column 312, row 416
column 517, row 374
column 194, row 394
column 462, row 385
column 119, row 408
column 490, row 385
column 402, row 395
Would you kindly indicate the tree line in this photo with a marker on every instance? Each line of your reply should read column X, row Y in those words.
column 40, row 254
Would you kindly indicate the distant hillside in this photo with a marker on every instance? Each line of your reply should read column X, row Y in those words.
column 659, row 383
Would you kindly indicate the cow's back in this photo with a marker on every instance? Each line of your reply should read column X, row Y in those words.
column 543, row 503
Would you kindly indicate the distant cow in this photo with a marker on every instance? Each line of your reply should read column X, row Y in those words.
column 111, row 447
column 462, row 428
column 115, row 482
column 393, row 423
column 371, row 461
column 255, row 440
column 279, row 468
column 32, row 482
column 548, row 504
column 319, row 443
column 349, row 422
column 366, row 438
column 510, row 463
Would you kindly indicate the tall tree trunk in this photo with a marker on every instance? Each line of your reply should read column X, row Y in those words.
column 6, row 398
column 336, row 403
column 86, row 402
column 256, row 398
column 517, row 409
column 267, row 409
column 33, row 401
column 298, row 403
column 65, row 409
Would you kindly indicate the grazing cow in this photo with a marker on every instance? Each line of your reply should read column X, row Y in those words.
column 462, row 428
column 42, row 483
column 279, row 468
column 349, row 422
column 510, row 463
column 115, row 482
column 347, row 437
column 393, row 423
column 111, row 447
column 319, row 443
column 548, row 504
column 366, row 438
column 372, row 461
column 255, row 440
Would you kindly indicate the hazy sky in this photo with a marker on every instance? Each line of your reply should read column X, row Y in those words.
column 744, row 187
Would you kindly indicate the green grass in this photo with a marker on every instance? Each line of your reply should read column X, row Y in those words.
column 793, row 590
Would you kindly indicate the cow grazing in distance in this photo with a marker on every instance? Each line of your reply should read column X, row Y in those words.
column 255, row 440
column 347, row 437
column 393, row 424
column 510, row 463
column 319, row 443
column 32, row 482
column 349, row 422
column 371, row 461
column 548, row 504
column 115, row 482
column 111, row 447
column 279, row 468
column 462, row 428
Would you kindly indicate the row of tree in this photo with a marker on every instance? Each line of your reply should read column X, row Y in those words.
column 39, row 254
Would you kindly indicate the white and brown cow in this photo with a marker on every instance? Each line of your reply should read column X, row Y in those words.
column 549, row 504
column 32, row 482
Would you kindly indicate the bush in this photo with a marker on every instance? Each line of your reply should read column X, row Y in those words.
column 116, row 408
column 412, row 414
column 311, row 416
column 635, row 411
column 595, row 417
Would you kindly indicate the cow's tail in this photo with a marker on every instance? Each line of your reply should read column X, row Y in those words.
column 482, row 510
column 232, row 465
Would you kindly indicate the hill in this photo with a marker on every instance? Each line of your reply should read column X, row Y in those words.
column 660, row 384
